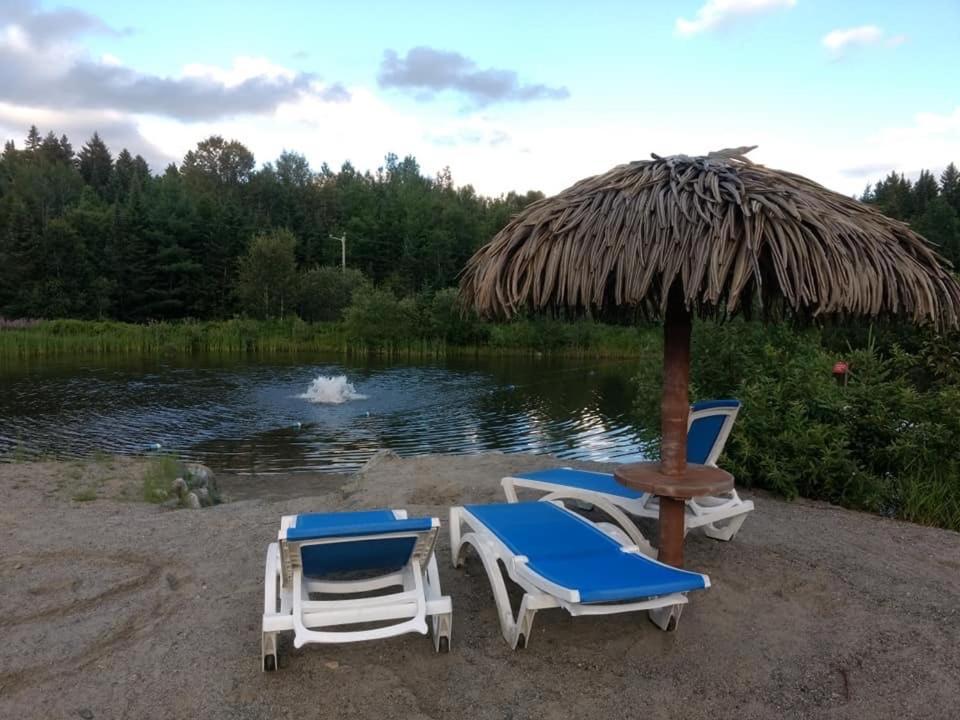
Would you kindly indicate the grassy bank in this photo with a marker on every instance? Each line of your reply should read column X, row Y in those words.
column 59, row 338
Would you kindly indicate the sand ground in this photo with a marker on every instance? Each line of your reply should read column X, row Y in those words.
column 113, row 608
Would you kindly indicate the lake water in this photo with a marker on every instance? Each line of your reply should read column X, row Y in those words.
column 297, row 414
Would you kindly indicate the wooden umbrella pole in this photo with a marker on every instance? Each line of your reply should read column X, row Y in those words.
column 674, row 411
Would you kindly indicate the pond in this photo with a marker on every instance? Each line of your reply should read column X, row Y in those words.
column 314, row 414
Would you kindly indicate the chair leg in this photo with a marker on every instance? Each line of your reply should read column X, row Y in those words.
column 666, row 618
column 268, row 652
column 516, row 631
column 441, row 625
column 523, row 626
column 725, row 532
column 441, row 628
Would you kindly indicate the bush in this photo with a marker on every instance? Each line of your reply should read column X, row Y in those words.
column 453, row 324
column 374, row 319
column 888, row 441
column 325, row 292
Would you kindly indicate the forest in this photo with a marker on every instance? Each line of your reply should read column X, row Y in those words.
column 86, row 234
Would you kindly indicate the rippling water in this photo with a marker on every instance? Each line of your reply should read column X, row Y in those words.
column 273, row 416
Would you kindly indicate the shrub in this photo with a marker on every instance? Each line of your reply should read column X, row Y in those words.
column 888, row 441
column 325, row 292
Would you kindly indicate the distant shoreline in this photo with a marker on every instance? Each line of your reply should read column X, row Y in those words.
column 59, row 338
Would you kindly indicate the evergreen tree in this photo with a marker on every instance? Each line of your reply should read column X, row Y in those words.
column 33, row 141
column 925, row 191
column 950, row 186
column 96, row 165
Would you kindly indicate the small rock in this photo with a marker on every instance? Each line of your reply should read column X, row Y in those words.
column 85, row 713
column 199, row 474
column 192, row 501
column 18, row 566
column 333, row 664
column 180, row 487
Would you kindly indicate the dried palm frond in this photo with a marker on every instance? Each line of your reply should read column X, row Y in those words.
column 732, row 234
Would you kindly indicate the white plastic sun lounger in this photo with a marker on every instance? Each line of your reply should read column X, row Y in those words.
column 561, row 559
column 708, row 429
column 380, row 563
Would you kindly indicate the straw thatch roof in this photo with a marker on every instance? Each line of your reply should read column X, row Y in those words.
column 736, row 235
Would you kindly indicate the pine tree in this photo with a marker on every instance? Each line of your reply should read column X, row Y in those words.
column 33, row 141
column 950, row 186
column 925, row 191
column 96, row 165
column 66, row 151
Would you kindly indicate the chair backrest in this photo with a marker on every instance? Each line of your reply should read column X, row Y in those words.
column 708, row 428
column 376, row 540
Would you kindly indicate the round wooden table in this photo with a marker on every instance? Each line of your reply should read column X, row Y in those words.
column 673, row 492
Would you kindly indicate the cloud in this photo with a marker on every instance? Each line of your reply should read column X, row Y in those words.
column 117, row 131
column 424, row 71
column 36, row 70
column 49, row 26
column 839, row 41
column 720, row 13
column 867, row 170
column 471, row 135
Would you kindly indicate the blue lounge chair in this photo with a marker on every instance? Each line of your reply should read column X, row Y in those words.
column 708, row 429
column 561, row 559
column 353, row 554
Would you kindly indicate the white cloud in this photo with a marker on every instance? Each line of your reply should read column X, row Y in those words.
column 841, row 40
column 717, row 13
column 242, row 69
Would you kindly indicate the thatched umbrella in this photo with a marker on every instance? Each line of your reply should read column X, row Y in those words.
column 714, row 236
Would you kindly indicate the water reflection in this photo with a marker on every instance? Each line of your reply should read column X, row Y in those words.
column 251, row 416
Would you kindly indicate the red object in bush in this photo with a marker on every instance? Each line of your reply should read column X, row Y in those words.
column 840, row 368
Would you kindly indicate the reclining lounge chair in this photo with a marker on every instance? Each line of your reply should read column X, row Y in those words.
column 561, row 559
column 346, row 554
column 707, row 431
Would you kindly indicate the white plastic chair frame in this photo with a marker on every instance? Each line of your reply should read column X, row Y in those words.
column 709, row 512
column 287, row 604
column 539, row 593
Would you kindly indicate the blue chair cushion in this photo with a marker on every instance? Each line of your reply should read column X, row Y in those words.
column 704, row 432
column 583, row 480
column 383, row 554
column 571, row 552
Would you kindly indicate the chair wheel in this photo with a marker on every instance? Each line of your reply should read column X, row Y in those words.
column 270, row 663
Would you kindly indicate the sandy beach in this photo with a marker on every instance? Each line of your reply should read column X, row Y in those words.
column 115, row 608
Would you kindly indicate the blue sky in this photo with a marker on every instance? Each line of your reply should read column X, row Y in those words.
column 509, row 95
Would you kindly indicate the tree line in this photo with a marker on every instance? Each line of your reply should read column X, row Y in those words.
column 84, row 234
column 931, row 207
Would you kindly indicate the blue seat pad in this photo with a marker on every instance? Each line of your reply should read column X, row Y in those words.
column 582, row 480
column 316, row 526
column 571, row 552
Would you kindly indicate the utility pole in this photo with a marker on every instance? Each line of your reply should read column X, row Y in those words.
column 343, row 251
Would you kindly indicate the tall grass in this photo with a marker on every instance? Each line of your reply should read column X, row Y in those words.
column 62, row 338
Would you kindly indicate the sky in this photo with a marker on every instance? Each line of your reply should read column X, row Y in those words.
column 509, row 95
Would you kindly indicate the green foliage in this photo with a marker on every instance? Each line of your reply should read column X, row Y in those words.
column 95, row 236
column 454, row 324
column 888, row 441
column 325, row 292
column 267, row 281
column 158, row 477
column 86, row 494
column 376, row 319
